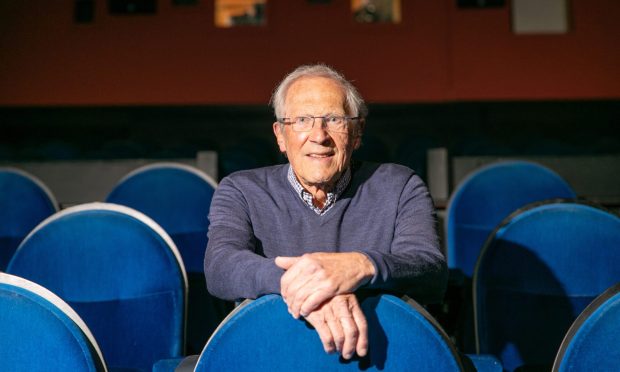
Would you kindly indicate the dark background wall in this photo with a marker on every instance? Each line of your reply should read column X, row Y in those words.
column 438, row 52
column 168, row 84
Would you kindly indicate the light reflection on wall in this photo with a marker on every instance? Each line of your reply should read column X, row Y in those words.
column 376, row 11
column 231, row 13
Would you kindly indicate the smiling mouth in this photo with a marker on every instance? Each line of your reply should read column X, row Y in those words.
column 320, row 156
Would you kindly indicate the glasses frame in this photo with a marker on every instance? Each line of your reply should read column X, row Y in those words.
column 291, row 121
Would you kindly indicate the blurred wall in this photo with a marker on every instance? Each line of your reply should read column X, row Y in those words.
column 439, row 53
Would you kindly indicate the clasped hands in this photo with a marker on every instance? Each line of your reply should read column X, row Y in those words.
column 319, row 287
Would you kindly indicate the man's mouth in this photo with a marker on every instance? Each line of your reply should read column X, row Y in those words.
column 327, row 155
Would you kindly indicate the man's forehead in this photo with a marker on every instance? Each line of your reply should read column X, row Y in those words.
column 314, row 88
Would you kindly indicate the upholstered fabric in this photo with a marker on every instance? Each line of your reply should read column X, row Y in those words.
column 541, row 268
column 593, row 341
column 261, row 335
column 121, row 273
column 24, row 202
column 177, row 197
column 486, row 197
column 39, row 332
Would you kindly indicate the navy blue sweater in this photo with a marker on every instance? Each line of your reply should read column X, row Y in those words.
column 386, row 212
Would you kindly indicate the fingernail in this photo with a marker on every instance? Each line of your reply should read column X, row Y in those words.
column 346, row 356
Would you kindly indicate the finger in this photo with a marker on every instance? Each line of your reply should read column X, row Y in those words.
column 292, row 273
column 287, row 278
column 296, row 283
column 285, row 262
column 351, row 334
column 362, row 326
column 298, row 291
column 335, row 328
column 314, row 300
column 324, row 333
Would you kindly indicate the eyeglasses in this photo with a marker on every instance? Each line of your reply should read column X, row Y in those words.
column 333, row 123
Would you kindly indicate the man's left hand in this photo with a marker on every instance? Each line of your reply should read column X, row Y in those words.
column 314, row 278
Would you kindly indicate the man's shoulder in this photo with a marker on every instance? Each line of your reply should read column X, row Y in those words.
column 261, row 177
column 384, row 172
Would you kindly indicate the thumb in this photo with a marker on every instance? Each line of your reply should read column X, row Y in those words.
column 286, row 262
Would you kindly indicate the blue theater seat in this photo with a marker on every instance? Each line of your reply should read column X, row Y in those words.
column 593, row 341
column 479, row 203
column 487, row 196
column 541, row 267
column 120, row 272
column 261, row 335
column 40, row 332
column 178, row 198
column 24, row 202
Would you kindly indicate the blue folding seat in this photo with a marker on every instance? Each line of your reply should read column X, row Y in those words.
column 261, row 335
column 24, row 202
column 593, row 341
column 479, row 203
column 487, row 196
column 40, row 332
column 178, row 198
column 539, row 269
column 120, row 272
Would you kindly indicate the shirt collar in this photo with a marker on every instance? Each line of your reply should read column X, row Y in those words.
column 332, row 196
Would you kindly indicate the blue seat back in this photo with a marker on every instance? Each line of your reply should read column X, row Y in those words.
column 487, row 196
column 539, row 270
column 40, row 332
column 592, row 342
column 120, row 271
column 261, row 335
column 178, row 198
column 24, row 202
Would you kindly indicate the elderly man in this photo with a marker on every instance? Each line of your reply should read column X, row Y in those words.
column 323, row 226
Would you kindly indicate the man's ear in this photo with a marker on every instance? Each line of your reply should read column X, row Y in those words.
column 357, row 139
column 278, row 132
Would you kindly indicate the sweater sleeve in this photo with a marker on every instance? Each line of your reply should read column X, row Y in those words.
column 414, row 265
column 233, row 268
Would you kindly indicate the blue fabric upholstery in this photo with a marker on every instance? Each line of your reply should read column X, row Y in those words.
column 592, row 343
column 177, row 197
column 24, row 202
column 39, row 332
column 541, row 268
column 261, row 335
column 486, row 197
column 121, row 273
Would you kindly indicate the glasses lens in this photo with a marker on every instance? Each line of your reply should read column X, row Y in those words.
column 336, row 123
column 302, row 123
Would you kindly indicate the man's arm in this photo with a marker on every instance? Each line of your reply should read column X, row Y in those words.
column 233, row 269
column 415, row 265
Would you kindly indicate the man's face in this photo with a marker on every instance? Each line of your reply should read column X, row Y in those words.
column 318, row 157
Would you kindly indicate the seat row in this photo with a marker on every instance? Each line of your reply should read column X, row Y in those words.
column 531, row 278
column 526, row 258
column 42, row 332
column 176, row 196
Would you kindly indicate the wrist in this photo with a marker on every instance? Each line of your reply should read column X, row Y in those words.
column 368, row 269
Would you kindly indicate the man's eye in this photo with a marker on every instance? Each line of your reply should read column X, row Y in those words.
column 302, row 120
column 332, row 119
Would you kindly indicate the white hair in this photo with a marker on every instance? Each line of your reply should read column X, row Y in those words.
column 354, row 103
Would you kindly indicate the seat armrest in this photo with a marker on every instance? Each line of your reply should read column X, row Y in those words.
column 186, row 364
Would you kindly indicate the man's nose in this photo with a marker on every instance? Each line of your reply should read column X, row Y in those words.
column 319, row 132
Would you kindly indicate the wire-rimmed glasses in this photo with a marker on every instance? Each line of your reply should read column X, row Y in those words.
column 333, row 123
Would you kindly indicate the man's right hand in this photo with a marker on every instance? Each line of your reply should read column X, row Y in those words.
column 341, row 325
